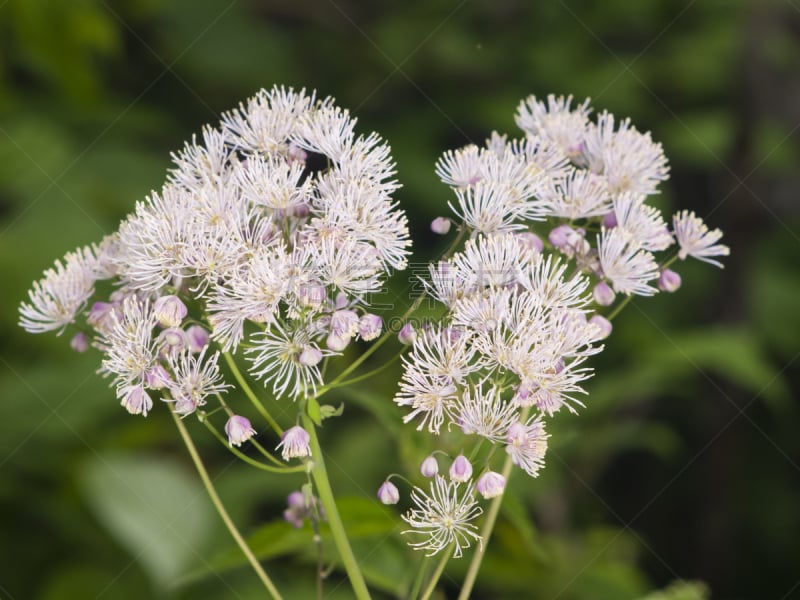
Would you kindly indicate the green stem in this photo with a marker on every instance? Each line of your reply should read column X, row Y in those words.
column 212, row 493
column 323, row 487
column 486, row 533
column 382, row 340
column 283, row 469
column 436, row 574
column 418, row 579
column 249, row 393
column 488, row 525
column 369, row 374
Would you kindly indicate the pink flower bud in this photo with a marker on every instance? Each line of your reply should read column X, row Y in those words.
column 170, row 311
column 669, row 281
column 603, row 325
column 336, row 343
column 388, row 493
column 407, row 335
column 196, row 338
column 295, row 443
column 136, row 401
column 312, row 294
column 559, row 237
column 441, row 225
column 491, row 484
column 461, row 469
column 531, row 241
column 610, row 220
column 344, row 323
column 310, row 356
column 103, row 315
column 238, row 430
column 369, row 327
column 79, row 342
column 603, row 294
column 157, row 378
column 429, row 467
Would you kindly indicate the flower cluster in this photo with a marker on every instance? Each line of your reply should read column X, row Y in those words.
column 558, row 226
column 273, row 229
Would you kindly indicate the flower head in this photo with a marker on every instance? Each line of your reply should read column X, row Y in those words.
column 295, row 443
column 239, row 430
column 444, row 516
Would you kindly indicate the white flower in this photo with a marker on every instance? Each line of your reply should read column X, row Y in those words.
column 444, row 517
column 484, row 413
column 545, row 279
column 580, row 195
column 429, row 397
column 629, row 160
column 496, row 260
column 266, row 122
column 643, row 224
column 61, row 294
column 194, row 378
column 276, row 358
column 628, row 267
column 487, row 208
column 556, row 122
column 153, row 240
column 695, row 239
column 526, row 443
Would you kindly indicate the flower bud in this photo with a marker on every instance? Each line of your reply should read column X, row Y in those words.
column 136, row 401
column 531, row 241
column 79, row 342
column 312, row 294
column 610, row 220
column 295, row 443
column 238, row 430
column 429, row 467
column 388, row 493
column 157, row 377
column 310, row 356
column 669, row 281
column 170, row 311
column 336, row 343
column 603, row 294
column 171, row 340
column 103, row 315
column 344, row 323
column 196, row 338
column 407, row 335
column 559, row 236
column 369, row 327
column 461, row 469
column 441, row 225
column 491, row 484
column 603, row 325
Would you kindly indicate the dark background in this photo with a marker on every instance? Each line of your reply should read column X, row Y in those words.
column 684, row 464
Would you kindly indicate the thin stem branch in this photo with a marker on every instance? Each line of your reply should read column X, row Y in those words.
column 249, row 393
column 436, row 574
column 223, row 513
column 282, row 470
column 323, row 487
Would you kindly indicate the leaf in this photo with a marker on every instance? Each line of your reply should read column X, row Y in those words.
column 370, row 528
column 313, row 411
column 327, row 411
column 153, row 508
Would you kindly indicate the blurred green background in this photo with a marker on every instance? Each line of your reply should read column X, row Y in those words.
column 683, row 466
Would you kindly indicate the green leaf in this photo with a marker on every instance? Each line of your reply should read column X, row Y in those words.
column 327, row 411
column 314, row 411
column 153, row 507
